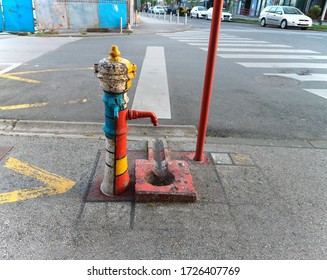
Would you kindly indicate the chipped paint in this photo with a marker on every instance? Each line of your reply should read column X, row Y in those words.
column 61, row 15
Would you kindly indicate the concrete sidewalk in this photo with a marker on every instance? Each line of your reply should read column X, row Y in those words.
column 257, row 199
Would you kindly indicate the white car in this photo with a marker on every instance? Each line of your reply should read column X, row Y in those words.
column 158, row 10
column 284, row 16
column 226, row 16
column 198, row 12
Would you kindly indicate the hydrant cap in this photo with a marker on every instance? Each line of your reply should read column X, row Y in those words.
column 115, row 73
column 115, row 53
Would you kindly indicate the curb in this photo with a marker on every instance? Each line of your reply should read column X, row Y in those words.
column 91, row 130
column 137, row 132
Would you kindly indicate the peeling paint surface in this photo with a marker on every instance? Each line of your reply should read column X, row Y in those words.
column 83, row 15
column 53, row 15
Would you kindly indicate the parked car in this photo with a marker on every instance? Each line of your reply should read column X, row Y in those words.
column 225, row 16
column 198, row 12
column 167, row 9
column 181, row 10
column 284, row 16
column 158, row 10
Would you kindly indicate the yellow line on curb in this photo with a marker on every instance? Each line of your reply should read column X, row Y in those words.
column 54, row 183
column 23, row 106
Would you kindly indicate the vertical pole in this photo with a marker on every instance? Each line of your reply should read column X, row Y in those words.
column 121, row 25
column 208, row 79
column 177, row 18
column 323, row 13
column 170, row 16
column 185, row 21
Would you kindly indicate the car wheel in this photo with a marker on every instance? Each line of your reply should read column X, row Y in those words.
column 283, row 24
column 263, row 22
column 304, row 28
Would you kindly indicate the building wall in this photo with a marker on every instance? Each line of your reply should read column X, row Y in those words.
column 16, row 16
column 80, row 14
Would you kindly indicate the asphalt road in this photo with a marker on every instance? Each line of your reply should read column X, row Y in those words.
column 270, row 100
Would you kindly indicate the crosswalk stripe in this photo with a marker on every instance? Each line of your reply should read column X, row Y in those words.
column 190, row 38
column 283, row 65
column 260, row 50
column 198, row 44
column 152, row 92
column 193, row 40
column 243, row 41
column 9, row 68
column 319, row 92
column 266, row 45
column 235, row 47
column 274, row 56
column 302, row 78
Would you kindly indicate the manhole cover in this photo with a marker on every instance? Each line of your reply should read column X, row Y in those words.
column 276, row 81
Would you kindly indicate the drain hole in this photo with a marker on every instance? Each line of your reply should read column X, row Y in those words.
column 163, row 180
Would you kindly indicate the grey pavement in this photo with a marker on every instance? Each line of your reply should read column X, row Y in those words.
column 256, row 199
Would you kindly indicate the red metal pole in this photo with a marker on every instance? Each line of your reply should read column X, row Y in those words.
column 208, row 79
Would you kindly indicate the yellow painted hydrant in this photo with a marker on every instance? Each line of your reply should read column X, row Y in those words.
column 116, row 75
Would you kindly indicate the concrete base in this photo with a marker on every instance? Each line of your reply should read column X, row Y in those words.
column 180, row 190
column 160, row 179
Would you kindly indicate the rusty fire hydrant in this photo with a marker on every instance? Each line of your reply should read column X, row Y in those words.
column 116, row 75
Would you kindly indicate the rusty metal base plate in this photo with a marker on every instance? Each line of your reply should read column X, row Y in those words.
column 175, row 186
column 4, row 151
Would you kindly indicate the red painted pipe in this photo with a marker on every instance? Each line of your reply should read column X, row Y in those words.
column 208, row 79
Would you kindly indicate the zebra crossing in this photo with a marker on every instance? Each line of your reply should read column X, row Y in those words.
column 260, row 54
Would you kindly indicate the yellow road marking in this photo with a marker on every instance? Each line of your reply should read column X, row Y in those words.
column 23, row 106
column 76, row 101
column 54, row 183
column 51, row 70
column 11, row 77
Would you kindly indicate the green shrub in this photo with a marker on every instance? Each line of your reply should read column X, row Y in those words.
column 314, row 12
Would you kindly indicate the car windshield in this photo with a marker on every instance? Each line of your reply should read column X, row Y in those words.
column 292, row 11
column 202, row 8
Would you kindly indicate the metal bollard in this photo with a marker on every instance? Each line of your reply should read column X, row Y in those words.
column 185, row 20
column 116, row 75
